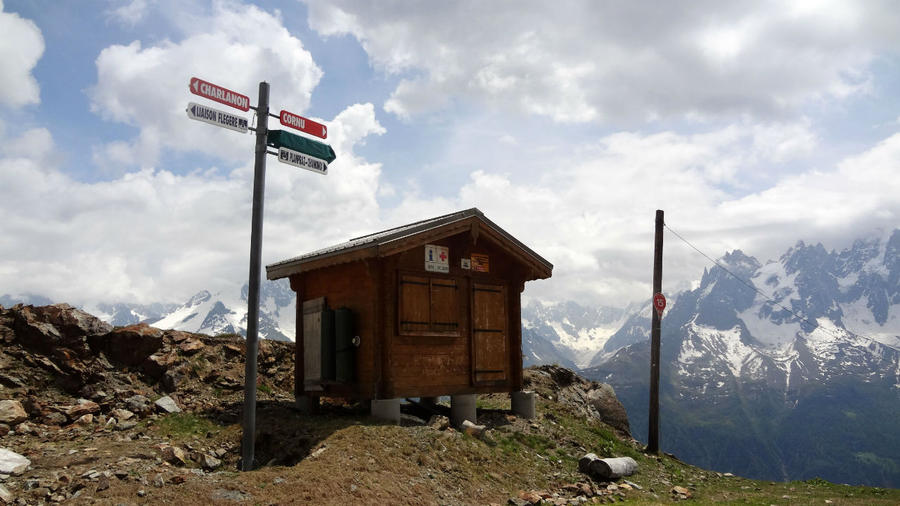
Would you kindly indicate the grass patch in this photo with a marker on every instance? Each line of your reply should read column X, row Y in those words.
column 185, row 425
column 514, row 443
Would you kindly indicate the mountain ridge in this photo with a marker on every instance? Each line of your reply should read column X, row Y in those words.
column 771, row 352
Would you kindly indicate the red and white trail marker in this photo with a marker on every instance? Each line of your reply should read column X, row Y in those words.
column 659, row 303
column 305, row 125
column 219, row 94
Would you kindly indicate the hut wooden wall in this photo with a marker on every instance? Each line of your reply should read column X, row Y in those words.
column 352, row 285
column 391, row 363
column 432, row 365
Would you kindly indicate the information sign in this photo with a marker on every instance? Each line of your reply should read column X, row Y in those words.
column 219, row 94
column 306, row 125
column 437, row 258
column 216, row 117
column 302, row 160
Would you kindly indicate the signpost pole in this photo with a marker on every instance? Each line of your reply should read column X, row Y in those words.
column 259, row 186
column 653, row 422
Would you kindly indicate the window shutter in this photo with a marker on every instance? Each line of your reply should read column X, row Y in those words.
column 444, row 305
column 414, row 303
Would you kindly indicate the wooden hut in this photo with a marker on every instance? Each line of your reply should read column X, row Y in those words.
column 424, row 310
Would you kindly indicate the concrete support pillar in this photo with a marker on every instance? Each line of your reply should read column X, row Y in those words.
column 522, row 403
column 462, row 407
column 386, row 409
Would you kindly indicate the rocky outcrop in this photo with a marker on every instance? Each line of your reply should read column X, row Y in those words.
column 69, row 378
column 129, row 346
column 61, row 364
column 49, row 328
column 591, row 398
column 603, row 398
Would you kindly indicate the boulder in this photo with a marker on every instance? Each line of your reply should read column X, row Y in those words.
column 472, row 429
column 83, row 407
column 209, row 462
column 12, row 463
column 191, row 346
column 174, row 455
column 121, row 414
column 12, row 412
column 129, row 345
column 603, row 398
column 439, row 422
column 138, row 404
column 47, row 328
column 167, row 405
column 681, row 492
column 158, row 363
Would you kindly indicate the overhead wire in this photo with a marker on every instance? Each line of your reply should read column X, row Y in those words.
column 801, row 318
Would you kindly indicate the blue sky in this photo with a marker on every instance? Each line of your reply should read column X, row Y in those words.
column 752, row 124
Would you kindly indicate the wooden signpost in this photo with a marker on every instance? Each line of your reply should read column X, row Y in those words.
column 311, row 155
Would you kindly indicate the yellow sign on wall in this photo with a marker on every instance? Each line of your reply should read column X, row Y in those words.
column 481, row 262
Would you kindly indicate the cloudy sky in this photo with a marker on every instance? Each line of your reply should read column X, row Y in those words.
column 752, row 124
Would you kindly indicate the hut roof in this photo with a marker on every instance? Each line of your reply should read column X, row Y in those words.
column 395, row 240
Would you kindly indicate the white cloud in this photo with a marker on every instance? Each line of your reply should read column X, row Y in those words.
column 21, row 46
column 236, row 46
column 154, row 235
column 130, row 13
column 594, row 219
column 582, row 61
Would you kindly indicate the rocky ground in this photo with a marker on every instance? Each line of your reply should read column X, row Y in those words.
column 99, row 415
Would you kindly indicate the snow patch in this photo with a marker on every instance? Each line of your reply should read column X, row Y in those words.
column 858, row 318
column 766, row 331
column 723, row 344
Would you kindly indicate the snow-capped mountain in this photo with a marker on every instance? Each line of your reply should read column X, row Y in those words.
column 785, row 370
column 226, row 313
column 121, row 314
column 567, row 333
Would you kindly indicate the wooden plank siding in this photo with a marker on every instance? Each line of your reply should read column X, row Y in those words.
column 424, row 333
column 349, row 285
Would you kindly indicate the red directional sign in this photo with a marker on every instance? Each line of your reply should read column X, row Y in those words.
column 219, row 94
column 659, row 303
column 309, row 126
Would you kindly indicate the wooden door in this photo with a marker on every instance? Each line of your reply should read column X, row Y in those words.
column 489, row 333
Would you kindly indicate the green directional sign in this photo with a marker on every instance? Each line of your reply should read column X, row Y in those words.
column 281, row 139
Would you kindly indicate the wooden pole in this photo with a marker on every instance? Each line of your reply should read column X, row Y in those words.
column 653, row 423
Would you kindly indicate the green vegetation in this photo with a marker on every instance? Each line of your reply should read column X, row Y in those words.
column 185, row 425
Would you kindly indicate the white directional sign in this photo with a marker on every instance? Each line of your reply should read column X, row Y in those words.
column 216, row 117
column 304, row 161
